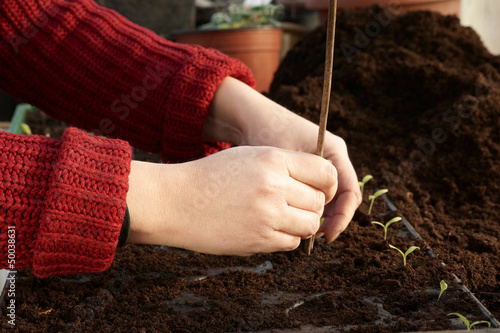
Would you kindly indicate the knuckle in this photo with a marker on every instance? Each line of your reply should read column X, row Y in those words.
column 266, row 184
column 310, row 229
column 314, row 225
column 261, row 238
column 340, row 143
column 309, row 225
column 267, row 216
column 329, row 173
column 271, row 156
column 319, row 202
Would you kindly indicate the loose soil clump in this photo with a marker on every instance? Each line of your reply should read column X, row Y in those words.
column 419, row 107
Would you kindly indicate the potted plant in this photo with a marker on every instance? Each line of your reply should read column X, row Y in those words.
column 251, row 34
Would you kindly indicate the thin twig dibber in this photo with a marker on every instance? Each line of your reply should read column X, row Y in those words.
column 327, row 86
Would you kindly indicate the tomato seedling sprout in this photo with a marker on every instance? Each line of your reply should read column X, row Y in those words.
column 443, row 286
column 375, row 196
column 405, row 254
column 363, row 182
column 468, row 323
column 385, row 226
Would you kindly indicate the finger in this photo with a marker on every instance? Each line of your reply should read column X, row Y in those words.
column 298, row 222
column 338, row 215
column 347, row 178
column 303, row 196
column 282, row 241
column 314, row 171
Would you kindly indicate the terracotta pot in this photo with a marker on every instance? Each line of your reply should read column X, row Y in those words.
column 259, row 49
column 447, row 7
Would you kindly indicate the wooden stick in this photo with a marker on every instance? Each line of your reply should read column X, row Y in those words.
column 325, row 99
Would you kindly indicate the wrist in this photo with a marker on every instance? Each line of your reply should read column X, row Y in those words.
column 160, row 201
column 224, row 121
column 242, row 116
column 147, row 203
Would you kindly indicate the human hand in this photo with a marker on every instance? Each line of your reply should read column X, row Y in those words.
column 243, row 116
column 240, row 201
column 339, row 212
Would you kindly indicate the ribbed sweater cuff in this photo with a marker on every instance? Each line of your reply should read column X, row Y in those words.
column 84, row 205
column 189, row 103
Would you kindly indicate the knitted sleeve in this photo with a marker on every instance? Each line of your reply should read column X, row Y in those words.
column 94, row 69
column 61, row 202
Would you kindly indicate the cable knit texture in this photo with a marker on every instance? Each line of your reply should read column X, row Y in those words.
column 65, row 198
column 92, row 68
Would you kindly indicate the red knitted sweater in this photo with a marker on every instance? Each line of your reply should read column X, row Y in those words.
column 93, row 69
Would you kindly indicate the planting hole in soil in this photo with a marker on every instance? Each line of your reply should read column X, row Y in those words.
column 419, row 108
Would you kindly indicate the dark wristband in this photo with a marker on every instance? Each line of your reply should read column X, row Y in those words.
column 125, row 232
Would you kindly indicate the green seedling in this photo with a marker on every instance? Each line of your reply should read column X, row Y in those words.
column 375, row 196
column 469, row 324
column 363, row 182
column 26, row 128
column 241, row 16
column 443, row 286
column 385, row 226
column 405, row 254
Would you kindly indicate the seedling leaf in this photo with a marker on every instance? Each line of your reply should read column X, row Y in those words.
column 375, row 196
column 395, row 248
column 467, row 323
column 480, row 322
column 396, row 219
column 385, row 226
column 363, row 182
column 366, row 178
column 410, row 250
column 378, row 193
column 25, row 127
column 443, row 286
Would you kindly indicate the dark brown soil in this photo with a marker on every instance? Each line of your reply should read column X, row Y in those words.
column 422, row 78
